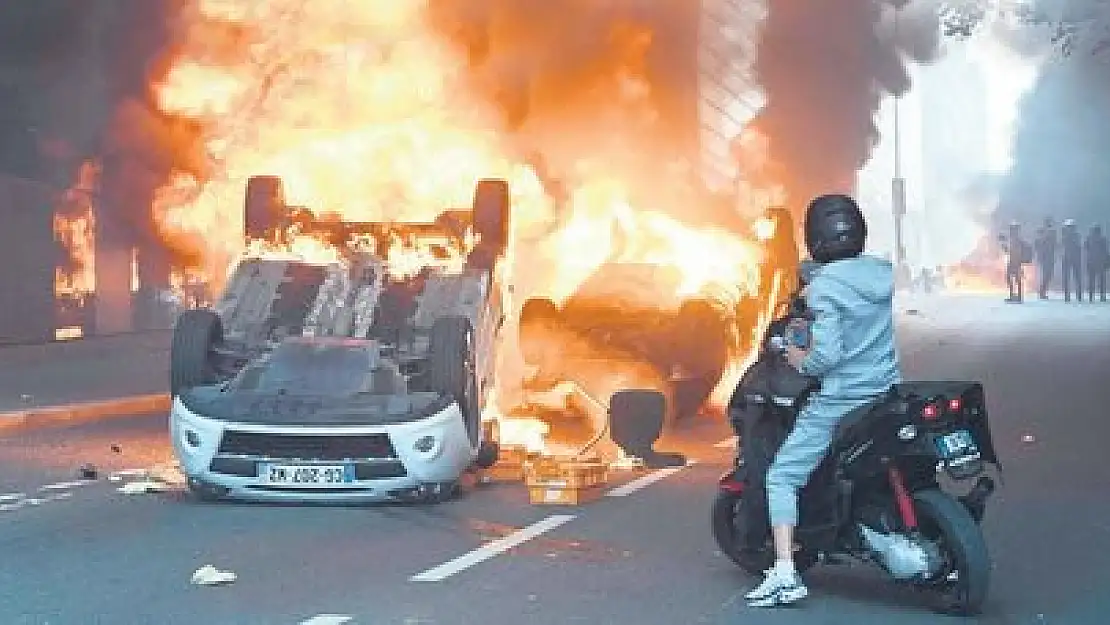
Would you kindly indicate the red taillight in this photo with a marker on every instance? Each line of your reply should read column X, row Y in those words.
column 954, row 405
column 930, row 411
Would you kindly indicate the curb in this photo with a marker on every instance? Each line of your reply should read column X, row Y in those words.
column 72, row 414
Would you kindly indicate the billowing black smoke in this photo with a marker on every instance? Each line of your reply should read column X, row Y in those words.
column 825, row 67
column 1062, row 136
column 74, row 85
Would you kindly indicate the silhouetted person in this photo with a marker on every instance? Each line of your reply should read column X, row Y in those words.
column 1046, row 255
column 1098, row 262
column 1018, row 253
column 1073, row 255
column 782, row 255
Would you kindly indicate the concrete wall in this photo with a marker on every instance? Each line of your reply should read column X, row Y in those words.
column 28, row 255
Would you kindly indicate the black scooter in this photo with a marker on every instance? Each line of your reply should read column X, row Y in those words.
column 877, row 495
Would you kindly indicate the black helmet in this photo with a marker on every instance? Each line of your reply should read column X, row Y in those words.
column 835, row 228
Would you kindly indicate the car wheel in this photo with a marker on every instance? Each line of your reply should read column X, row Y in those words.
column 537, row 317
column 195, row 335
column 488, row 452
column 452, row 369
column 491, row 213
column 263, row 207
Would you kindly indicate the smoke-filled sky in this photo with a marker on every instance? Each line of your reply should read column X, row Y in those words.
column 70, row 71
column 1062, row 138
column 824, row 68
column 65, row 67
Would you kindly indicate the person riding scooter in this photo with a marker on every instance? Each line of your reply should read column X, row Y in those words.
column 852, row 354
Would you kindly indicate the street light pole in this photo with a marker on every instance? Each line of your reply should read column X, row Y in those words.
column 898, row 184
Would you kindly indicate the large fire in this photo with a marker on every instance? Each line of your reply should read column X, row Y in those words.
column 363, row 110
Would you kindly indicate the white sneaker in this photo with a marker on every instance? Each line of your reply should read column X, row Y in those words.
column 780, row 586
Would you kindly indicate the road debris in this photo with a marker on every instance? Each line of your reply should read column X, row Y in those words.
column 209, row 575
column 88, row 471
column 143, row 487
column 564, row 481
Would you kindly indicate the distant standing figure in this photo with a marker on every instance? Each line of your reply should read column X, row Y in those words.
column 1045, row 245
column 1073, row 254
column 1098, row 262
column 1018, row 253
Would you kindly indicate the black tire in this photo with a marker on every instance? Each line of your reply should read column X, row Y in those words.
column 452, row 369
column 488, row 453
column 725, row 517
column 202, row 493
column 195, row 335
column 263, row 207
column 941, row 516
column 491, row 213
column 482, row 257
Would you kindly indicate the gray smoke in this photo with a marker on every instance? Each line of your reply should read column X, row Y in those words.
column 1062, row 136
column 825, row 67
column 74, row 82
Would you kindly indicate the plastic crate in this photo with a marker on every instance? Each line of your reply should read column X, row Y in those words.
column 562, row 496
column 565, row 473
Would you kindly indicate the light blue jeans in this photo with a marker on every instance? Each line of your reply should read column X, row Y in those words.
column 801, row 452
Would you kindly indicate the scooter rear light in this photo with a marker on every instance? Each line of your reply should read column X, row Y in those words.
column 731, row 486
column 930, row 412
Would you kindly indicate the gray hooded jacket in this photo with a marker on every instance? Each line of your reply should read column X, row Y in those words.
column 853, row 349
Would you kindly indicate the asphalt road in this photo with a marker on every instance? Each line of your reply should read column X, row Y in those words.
column 84, row 553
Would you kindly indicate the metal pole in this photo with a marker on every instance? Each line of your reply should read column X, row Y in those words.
column 898, row 185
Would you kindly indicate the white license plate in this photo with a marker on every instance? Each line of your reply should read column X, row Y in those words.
column 956, row 444
column 306, row 474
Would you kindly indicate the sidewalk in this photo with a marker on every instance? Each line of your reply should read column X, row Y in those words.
column 95, row 369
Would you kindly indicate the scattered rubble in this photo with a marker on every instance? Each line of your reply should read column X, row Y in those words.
column 143, row 487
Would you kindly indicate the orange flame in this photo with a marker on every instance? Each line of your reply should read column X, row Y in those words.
column 74, row 230
column 362, row 110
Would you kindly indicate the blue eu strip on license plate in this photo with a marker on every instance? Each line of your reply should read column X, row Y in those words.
column 958, row 443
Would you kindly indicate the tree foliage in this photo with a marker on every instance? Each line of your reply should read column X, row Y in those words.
column 1072, row 26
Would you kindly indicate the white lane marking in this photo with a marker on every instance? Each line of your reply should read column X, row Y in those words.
column 328, row 619
column 33, row 501
column 728, row 443
column 647, row 480
column 118, row 475
column 489, row 550
column 64, row 485
column 12, row 497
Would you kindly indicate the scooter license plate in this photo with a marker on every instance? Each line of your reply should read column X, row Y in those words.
column 955, row 445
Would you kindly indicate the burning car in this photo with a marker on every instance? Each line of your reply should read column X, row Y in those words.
column 361, row 378
column 627, row 324
column 624, row 317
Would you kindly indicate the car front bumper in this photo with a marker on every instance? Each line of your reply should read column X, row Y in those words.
column 380, row 462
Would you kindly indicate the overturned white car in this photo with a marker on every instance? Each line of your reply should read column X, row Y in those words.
column 345, row 380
